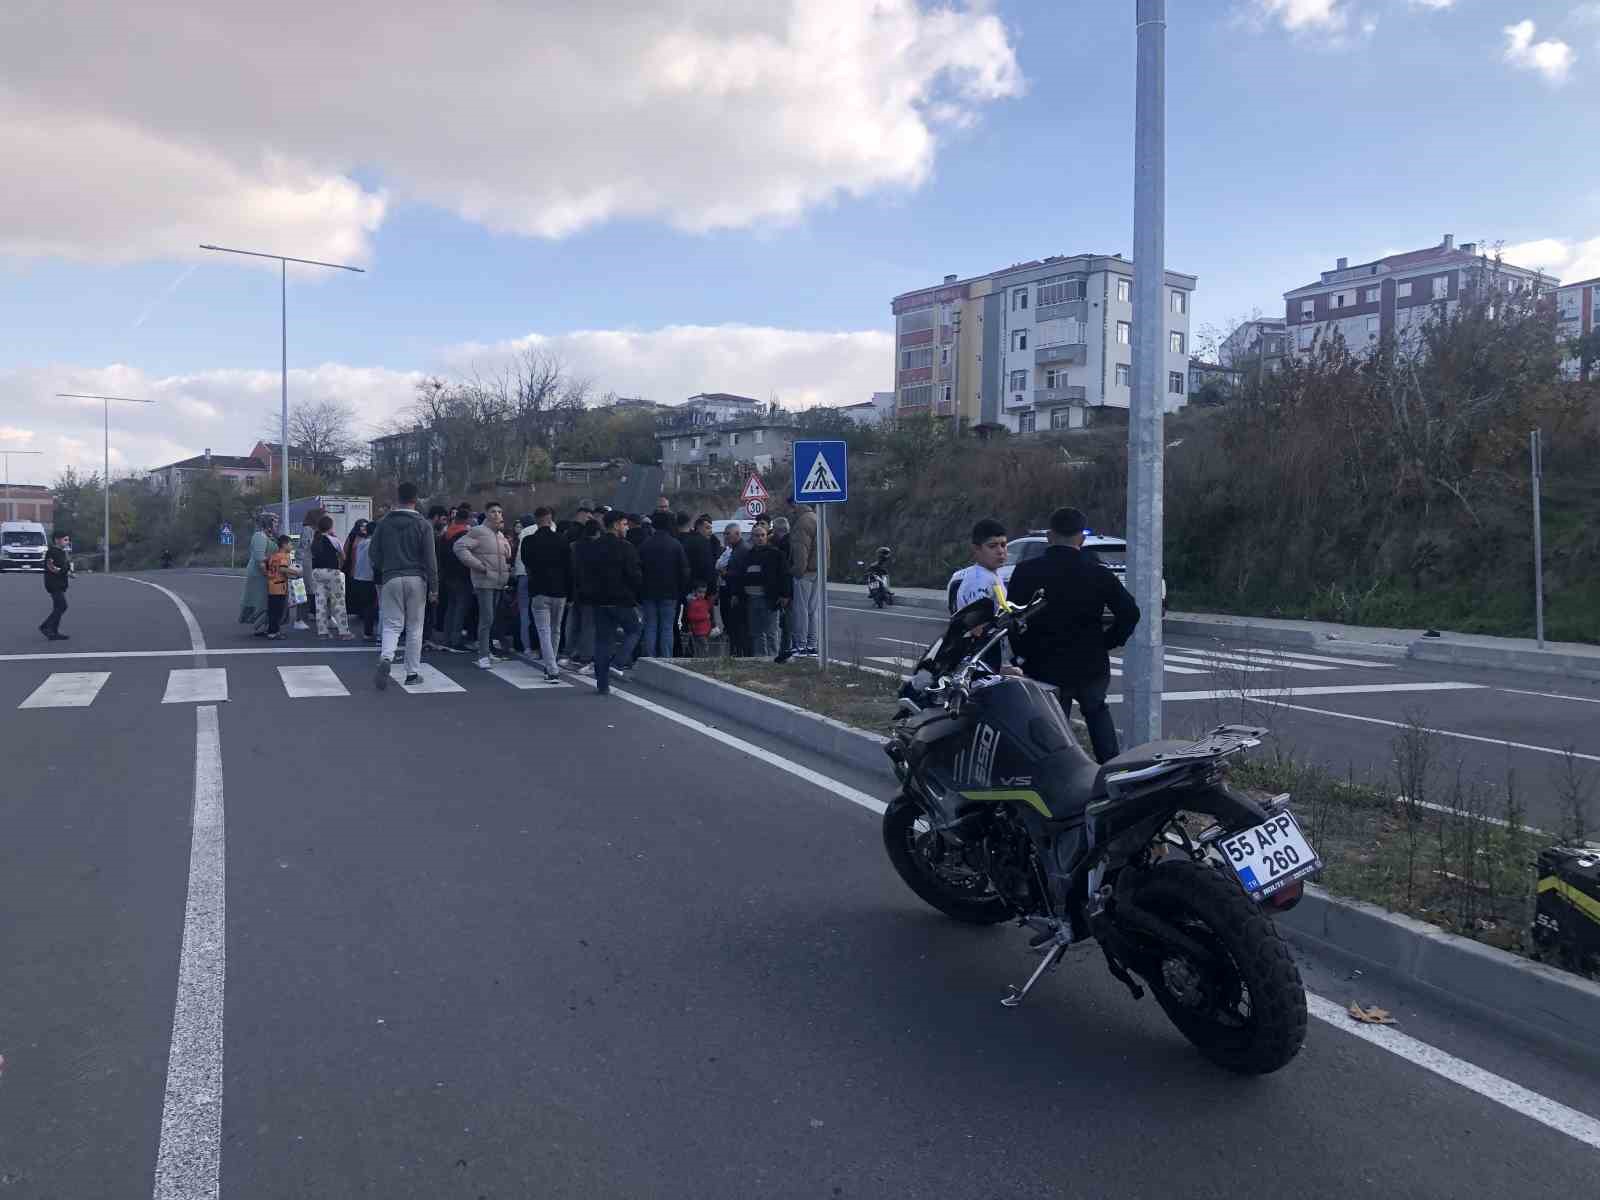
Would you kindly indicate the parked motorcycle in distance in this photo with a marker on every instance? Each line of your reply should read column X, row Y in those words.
column 1003, row 816
column 877, row 578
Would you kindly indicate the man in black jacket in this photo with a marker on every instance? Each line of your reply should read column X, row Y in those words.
column 547, row 558
column 767, row 588
column 57, row 573
column 665, row 568
column 608, row 582
column 1068, row 644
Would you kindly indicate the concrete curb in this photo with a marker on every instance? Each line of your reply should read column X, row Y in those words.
column 843, row 743
column 1476, row 654
column 838, row 591
column 1499, row 984
column 1505, row 986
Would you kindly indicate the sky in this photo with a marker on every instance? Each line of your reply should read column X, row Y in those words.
column 705, row 195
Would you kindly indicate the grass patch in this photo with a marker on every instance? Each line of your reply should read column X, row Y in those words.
column 857, row 697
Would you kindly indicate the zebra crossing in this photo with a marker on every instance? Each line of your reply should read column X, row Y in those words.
column 211, row 685
column 1185, row 661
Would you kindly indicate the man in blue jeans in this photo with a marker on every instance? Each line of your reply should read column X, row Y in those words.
column 607, row 580
column 664, row 565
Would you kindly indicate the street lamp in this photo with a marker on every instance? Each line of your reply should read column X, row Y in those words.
column 105, row 482
column 283, row 293
column 11, row 504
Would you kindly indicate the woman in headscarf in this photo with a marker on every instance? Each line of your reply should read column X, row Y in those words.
column 253, row 608
column 362, row 590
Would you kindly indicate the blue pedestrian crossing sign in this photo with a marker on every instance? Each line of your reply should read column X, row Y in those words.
column 821, row 475
column 226, row 535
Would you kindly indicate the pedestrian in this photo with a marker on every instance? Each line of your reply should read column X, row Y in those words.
column 730, row 567
column 57, row 575
column 607, row 581
column 580, row 621
column 638, row 530
column 434, row 639
column 983, row 576
column 809, row 591
column 263, row 542
column 280, row 569
column 455, row 580
column 1068, row 644
column 698, row 620
column 403, row 556
column 547, row 565
column 327, row 578
column 663, row 505
column 703, row 549
column 665, row 568
column 780, row 539
column 361, row 590
column 308, row 538
column 683, row 530
column 767, row 588
column 527, row 526
column 486, row 554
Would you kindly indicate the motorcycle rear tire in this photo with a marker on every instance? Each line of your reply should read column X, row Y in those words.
column 878, row 600
column 953, row 902
column 1184, row 893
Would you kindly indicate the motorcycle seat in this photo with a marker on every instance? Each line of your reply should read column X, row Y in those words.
column 1069, row 781
column 1144, row 756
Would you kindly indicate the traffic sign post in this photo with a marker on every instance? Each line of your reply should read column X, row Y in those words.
column 226, row 538
column 755, row 508
column 821, row 477
column 754, row 489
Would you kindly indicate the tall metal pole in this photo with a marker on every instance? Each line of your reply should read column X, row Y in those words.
column 105, row 481
column 1142, row 674
column 1536, row 452
column 822, row 587
column 283, row 381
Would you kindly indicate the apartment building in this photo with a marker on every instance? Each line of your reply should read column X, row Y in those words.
column 327, row 465
column 1036, row 346
column 247, row 473
column 1396, row 296
column 1256, row 347
column 1577, row 315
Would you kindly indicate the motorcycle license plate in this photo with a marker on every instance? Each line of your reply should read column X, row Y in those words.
column 1270, row 856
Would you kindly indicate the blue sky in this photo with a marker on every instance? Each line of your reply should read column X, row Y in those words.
column 1298, row 131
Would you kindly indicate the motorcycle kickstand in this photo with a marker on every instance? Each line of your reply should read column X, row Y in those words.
column 1049, row 960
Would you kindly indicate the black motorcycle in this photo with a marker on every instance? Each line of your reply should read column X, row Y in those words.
column 1003, row 816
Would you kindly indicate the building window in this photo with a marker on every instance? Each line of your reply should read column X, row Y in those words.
column 1341, row 299
column 761, row 436
column 917, row 321
column 916, row 397
column 696, row 445
column 1019, row 381
column 1124, row 290
column 1060, row 291
column 1308, row 310
column 1124, row 334
column 1060, row 418
column 1055, row 377
column 1175, row 340
column 944, row 356
column 1441, row 287
column 1019, row 300
column 1307, row 336
column 1124, row 375
column 1402, row 291
column 947, row 393
column 1175, row 382
column 1372, row 295
column 1025, row 422
column 1019, row 339
column 1372, row 327
column 733, row 439
column 911, row 360
column 1180, row 303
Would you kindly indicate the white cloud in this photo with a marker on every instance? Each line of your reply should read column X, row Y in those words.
column 1567, row 260
column 538, row 118
column 1551, row 58
column 1587, row 14
column 1305, row 16
column 1434, row 4
column 225, row 409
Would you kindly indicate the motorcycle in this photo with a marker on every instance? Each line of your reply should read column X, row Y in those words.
column 878, row 582
column 1003, row 816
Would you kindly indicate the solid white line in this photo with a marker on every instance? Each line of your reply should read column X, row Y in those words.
column 197, row 640
column 903, row 642
column 189, row 1158
column 67, row 689
column 187, row 653
column 873, row 612
column 205, row 685
column 1551, row 695
column 1551, row 1113
column 1273, row 695
column 1466, row 737
column 302, row 682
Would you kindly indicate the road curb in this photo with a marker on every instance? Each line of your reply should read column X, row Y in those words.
column 1289, row 639
column 1493, row 981
column 1501, row 984
column 1475, row 654
column 843, row 743
column 843, row 591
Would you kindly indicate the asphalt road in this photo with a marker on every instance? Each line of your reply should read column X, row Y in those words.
column 1493, row 723
column 501, row 943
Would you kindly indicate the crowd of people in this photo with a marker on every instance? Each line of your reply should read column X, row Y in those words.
column 592, row 592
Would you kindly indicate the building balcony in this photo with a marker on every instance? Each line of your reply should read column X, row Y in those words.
column 1074, row 354
column 1047, row 397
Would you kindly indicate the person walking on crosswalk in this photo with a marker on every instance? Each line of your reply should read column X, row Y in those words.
column 327, row 576
column 486, row 554
column 57, row 574
column 402, row 555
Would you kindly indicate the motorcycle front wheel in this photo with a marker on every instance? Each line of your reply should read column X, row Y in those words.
column 932, row 868
column 1246, row 1010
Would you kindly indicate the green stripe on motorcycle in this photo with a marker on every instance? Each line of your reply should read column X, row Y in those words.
column 1004, row 795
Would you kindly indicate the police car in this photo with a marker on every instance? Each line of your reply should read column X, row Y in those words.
column 1111, row 551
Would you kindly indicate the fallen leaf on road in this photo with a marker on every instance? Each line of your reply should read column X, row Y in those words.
column 1370, row 1016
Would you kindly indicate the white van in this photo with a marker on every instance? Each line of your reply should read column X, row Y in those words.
column 22, row 545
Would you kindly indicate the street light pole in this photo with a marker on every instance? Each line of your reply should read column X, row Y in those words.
column 11, row 503
column 1142, row 678
column 283, row 345
column 105, row 480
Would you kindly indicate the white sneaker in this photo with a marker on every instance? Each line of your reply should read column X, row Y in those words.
column 486, row 663
column 586, row 669
column 300, row 625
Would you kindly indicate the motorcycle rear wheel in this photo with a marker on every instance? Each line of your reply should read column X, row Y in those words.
column 1247, row 1013
column 963, row 897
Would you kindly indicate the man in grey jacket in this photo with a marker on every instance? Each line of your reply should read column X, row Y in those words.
column 403, row 557
column 486, row 554
column 803, row 612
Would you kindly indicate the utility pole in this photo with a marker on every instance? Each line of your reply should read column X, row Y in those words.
column 1142, row 674
column 1536, row 453
column 105, row 486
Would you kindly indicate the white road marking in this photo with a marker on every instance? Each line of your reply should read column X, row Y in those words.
column 202, row 685
column 189, row 1157
column 905, row 616
column 903, row 642
column 1465, row 737
column 301, row 682
column 434, row 681
column 1255, row 657
column 67, row 689
column 1551, row 1113
column 1316, row 658
column 73, row 654
column 520, row 675
column 1167, row 665
column 1213, row 662
column 1552, row 695
column 197, row 640
column 905, row 664
column 1274, row 695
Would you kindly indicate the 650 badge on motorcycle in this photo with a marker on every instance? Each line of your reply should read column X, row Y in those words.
column 1269, row 857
